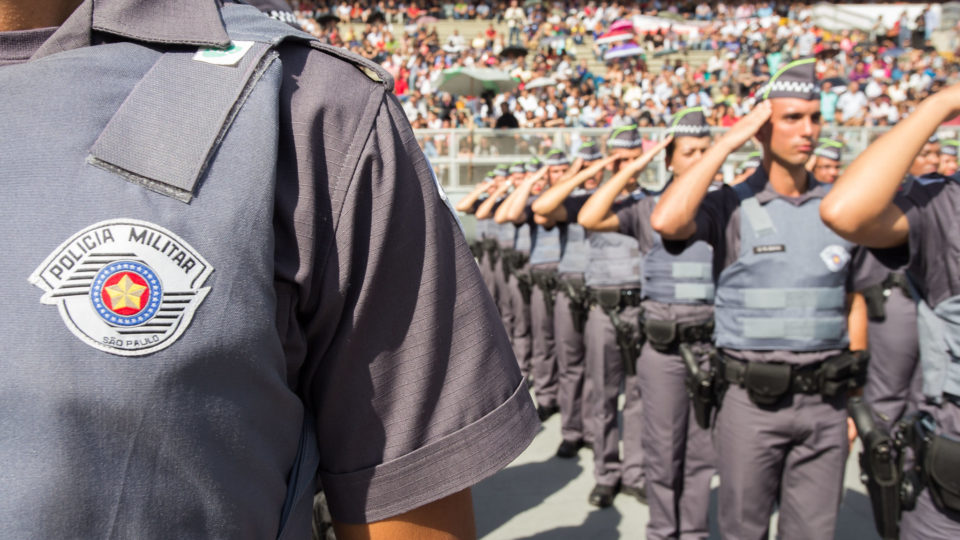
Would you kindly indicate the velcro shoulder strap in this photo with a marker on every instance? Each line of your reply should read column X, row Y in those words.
column 755, row 213
column 170, row 125
column 166, row 131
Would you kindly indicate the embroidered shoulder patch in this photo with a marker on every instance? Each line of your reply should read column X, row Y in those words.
column 124, row 286
column 835, row 257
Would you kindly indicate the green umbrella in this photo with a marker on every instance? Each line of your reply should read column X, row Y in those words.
column 473, row 81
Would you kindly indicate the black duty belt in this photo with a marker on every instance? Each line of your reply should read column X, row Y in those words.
column 545, row 279
column 614, row 298
column 572, row 280
column 664, row 335
column 767, row 382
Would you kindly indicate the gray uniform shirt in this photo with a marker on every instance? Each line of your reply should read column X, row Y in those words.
column 635, row 221
column 933, row 265
column 390, row 339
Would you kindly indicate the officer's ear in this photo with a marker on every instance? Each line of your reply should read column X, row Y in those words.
column 764, row 133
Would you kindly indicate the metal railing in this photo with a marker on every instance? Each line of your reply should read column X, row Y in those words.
column 462, row 157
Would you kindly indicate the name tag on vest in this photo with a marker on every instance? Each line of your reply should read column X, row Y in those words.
column 773, row 248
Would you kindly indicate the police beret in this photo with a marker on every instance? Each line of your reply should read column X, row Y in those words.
column 625, row 137
column 533, row 164
column 798, row 79
column 689, row 122
column 829, row 149
column 556, row 157
column 501, row 170
column 589, row 151
column 949, row 147
column 516, row 167
column 754, row 160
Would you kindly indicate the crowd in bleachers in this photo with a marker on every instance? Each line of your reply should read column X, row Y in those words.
column 871, row 78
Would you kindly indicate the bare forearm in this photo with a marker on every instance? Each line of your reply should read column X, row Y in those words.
column 450, row 518
column 512, row 208
column 857, row 321
column 864, row 194
column 674, row 215
column 466, row 203
column 554, row 197
column 596, row 214
column 485, row 210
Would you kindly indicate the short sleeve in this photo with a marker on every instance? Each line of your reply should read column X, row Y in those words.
column 715, row 226
column 912, row 206
column 629, row 218
column 572, row 205
column 409, row 372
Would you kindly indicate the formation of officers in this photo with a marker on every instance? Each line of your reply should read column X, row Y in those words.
column 737, row 322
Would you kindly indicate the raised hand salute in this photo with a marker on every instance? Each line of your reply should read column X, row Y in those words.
column 674, row 216
column 596, row 214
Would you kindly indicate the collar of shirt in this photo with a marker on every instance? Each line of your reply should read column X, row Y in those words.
column 183, row 22
column 760, row 185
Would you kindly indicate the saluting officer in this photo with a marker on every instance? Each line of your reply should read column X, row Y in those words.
column 613, row 278
column 747, row 167
column 677, row 297
column 894, row 380
column 485, row 236
column 921, row 224
column 570, row 308
column 545, row 250
column 826, row 160
column 948, row 156
column 782, row 308
column 505, row 234
column 515, row 266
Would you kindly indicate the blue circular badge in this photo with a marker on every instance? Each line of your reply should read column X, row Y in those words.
column 126, row 293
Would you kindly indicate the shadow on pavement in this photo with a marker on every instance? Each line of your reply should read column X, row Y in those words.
column 599, row 524
column 856, row 517
column 517, row 489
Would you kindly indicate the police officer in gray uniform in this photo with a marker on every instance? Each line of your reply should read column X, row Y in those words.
column 570, row 306
column 825, row 163
column 484, row 238
column 516, row 272
column 948, row 156
column 505, row 235
column 921, row 224
column 677, row 297
column 611, row 341
column 200, row 254
column 781, row 314
column 545, row 250
column 894, row 381
column 747, row 167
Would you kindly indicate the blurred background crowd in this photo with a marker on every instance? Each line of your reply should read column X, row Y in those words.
column 604, row 64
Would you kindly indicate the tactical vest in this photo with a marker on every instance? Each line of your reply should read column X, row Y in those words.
column 506, row 233
column 547, row 245
column 142, row 371
column 615, row 261
column 576, row 251
column 684, row 278
column 482, row 229
column 786, row 291
column 522, row 240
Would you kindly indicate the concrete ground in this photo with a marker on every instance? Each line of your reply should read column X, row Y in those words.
column 542, row 497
